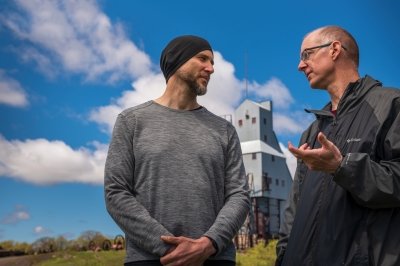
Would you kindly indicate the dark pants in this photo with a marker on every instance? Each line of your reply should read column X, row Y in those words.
column 157, row 263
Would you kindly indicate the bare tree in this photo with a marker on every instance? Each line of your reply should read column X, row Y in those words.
column 44, row 245
column 93, row 238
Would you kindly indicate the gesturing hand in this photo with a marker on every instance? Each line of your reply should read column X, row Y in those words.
column 187, row 251
column 326, row 159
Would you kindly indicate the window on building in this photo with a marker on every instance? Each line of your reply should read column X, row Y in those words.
column 240, row 122
column 254, row 156
column 265, row 138
column 282, row 183
column 265, row 182
column 265, row 121
column 277, row 182
column 253, row 120
column 273, row 158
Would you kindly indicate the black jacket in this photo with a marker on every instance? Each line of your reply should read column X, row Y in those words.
column 353, row 216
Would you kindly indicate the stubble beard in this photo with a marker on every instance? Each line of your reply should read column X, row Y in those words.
column 198, row 88
column 194, row 83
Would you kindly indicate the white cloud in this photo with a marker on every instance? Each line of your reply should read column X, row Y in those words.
column 18, row 215
column 291, row 123
column 40, row 230
column 41, row 161
column 291, row 161
column 77, row 35
column 11, row 91
column 43, row 62
column 275, row 90
column 284, row 124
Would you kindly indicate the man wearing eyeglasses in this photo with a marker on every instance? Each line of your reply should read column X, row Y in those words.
column 344, row 207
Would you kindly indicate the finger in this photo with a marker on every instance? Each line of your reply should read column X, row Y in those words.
column 171, row 239
column 304, row 146
column 169, row 257
column 323, row 140
column 172, row 248
column 296, row 153
column 290, row 144
column 293, row 150
column 300, row 151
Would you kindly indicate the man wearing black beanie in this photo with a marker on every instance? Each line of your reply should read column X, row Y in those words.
column 174, row 177
column 180, row 50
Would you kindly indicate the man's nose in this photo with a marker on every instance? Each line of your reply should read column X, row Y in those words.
column 302, row 65
column 210, row 68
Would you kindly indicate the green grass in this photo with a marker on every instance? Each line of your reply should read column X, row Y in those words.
column 259, row 255
column 88, row 258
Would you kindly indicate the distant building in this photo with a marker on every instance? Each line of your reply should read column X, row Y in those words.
column 269, row 177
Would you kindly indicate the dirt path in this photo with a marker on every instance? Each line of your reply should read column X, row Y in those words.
column 28, row 260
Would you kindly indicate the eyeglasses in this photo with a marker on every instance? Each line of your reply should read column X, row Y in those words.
column 305, row 55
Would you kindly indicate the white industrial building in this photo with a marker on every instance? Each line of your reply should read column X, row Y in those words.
column 269, row 177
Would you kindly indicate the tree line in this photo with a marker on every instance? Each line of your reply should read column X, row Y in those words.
column 88, row 240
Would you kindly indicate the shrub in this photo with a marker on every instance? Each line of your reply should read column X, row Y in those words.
column 259, row 255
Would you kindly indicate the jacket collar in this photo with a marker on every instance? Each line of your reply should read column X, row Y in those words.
column 353, row 94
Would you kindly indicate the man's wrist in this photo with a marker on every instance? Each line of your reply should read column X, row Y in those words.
column 213, row 246
column 339, row 165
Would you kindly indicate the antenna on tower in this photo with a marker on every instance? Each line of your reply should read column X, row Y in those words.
column 245, row 74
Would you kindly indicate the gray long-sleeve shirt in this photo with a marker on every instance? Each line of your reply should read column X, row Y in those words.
column 172, row 172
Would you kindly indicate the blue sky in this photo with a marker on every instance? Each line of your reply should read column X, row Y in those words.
column 68, row 67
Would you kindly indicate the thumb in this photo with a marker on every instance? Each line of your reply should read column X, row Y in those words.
column 170, row 239
column 323, row 139
column 290, row 146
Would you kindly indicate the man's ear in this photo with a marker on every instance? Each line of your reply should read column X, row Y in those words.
column 335, row 50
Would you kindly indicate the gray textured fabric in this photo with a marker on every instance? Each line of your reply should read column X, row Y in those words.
column 171, row 172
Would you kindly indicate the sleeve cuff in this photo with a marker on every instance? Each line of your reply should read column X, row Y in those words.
column 214, row 245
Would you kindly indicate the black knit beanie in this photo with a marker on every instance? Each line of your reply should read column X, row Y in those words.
column 180, row 50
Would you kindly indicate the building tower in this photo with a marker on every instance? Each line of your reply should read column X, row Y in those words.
column 265, row 166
